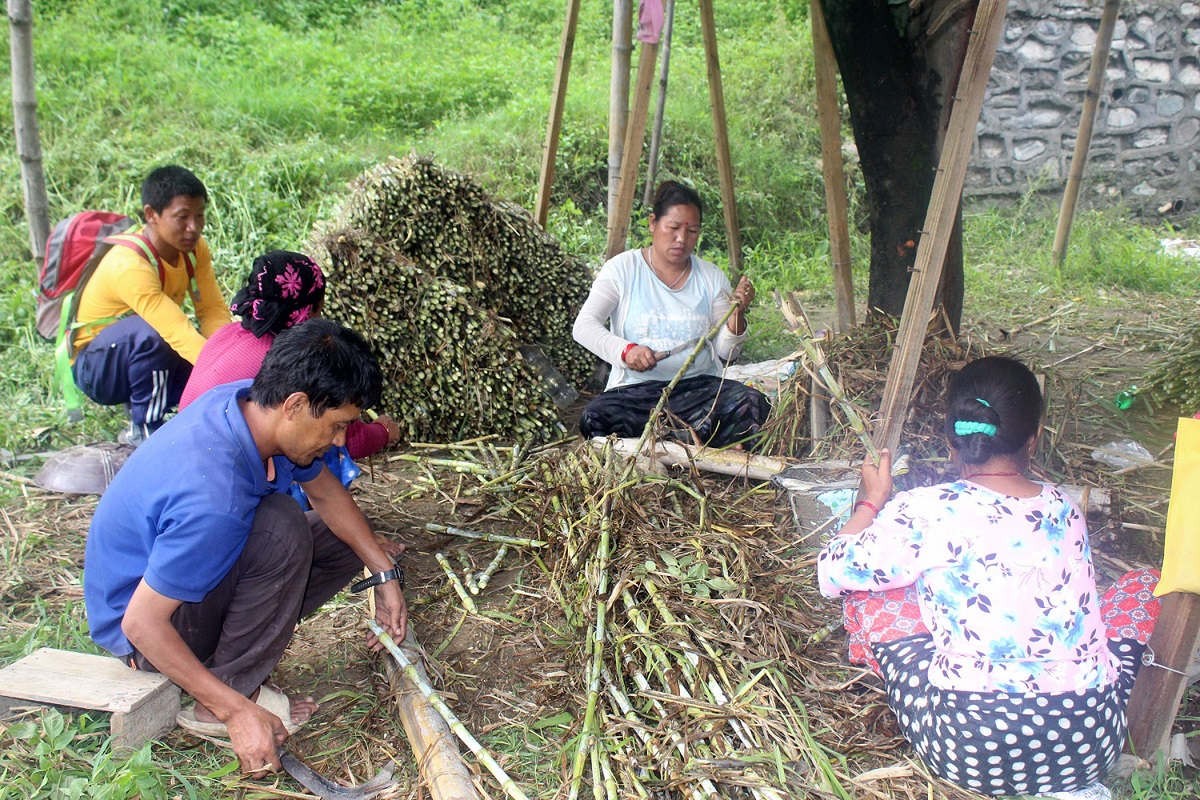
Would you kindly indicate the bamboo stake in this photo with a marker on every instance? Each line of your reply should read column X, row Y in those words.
column 830, row 119
column 452, row 577
column 944, row 205
column 660, row 109
column 557, row 101
column 25, row 125
column 1087, row 119
column 733, row 232
column 631, row 155
column 482, row 536
column 618, row 95
column 460, row 730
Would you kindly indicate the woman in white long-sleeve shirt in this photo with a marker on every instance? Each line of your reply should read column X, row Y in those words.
column 659, row 302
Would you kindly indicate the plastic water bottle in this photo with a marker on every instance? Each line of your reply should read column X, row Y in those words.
column 554, row 383
column 1125, row 397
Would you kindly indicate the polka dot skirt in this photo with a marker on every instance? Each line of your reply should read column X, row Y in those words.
column 997, row 743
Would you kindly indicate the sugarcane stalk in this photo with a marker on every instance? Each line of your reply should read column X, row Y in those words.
column 485, row 577
column 485, row 757
column 451, row 463
column 468, row 570
column 452, row 577
column 482, row 536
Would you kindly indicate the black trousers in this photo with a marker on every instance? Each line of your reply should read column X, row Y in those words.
column 291, row 565
column 718, row 412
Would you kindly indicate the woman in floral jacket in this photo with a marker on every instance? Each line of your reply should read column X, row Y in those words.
column 975, row 602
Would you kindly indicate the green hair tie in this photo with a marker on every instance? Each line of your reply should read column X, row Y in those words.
column 965, row 427
column 983, row 402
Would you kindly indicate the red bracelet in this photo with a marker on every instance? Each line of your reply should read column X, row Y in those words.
column 868, row 504
column 625, row 352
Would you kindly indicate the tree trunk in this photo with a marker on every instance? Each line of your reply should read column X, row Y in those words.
column 900, row 69
column 29, row 147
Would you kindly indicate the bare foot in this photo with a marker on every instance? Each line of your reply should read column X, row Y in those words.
column 302, row 709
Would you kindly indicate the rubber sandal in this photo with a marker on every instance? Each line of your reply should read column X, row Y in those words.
column 269, row 697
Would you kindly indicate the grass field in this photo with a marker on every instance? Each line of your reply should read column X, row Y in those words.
column 277, row 105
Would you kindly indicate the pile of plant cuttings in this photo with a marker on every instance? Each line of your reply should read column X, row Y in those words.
column 671, row 629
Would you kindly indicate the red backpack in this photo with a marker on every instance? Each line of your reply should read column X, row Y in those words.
column 76, row 243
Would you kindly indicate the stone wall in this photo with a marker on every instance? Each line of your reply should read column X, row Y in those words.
column 1145, row 149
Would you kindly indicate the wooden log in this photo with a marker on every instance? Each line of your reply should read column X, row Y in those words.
column 725, row 462
column 618, row 95
column 1087, row 119
column 830, row 119
column 944, row 205
column 660, row 109
column 631, row 156
column 1159, row 689
column 554, row 127
column 25, row 124
column 716, row 94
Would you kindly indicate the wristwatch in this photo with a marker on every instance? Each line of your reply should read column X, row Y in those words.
column 394, row 574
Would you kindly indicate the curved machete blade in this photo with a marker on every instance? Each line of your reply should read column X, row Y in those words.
column 307, row 777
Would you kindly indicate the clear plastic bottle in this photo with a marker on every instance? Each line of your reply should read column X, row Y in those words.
column 554, row 383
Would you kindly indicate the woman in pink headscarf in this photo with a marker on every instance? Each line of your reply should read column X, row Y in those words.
column 283, row 289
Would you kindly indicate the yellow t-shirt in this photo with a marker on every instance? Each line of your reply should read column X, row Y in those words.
column 125, row 281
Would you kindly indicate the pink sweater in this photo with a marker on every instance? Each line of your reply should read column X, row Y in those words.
column 234, row 353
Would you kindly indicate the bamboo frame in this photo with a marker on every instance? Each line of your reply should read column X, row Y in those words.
column 660, row 109
column 558, row 99
column 618, row 95
column 944, row 204
column 1087, row 120
column 716, row 93
column 25, row 124
column 631, row 156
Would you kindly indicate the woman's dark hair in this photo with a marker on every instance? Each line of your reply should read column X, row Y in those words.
column 330, row 363
column 674, row 193
column 164, row 184
column 993, row 408
column 283, row 289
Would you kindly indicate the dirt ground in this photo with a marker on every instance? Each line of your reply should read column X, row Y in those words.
column 503, row 675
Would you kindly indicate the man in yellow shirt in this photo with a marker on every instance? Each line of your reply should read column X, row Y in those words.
column 141, row 345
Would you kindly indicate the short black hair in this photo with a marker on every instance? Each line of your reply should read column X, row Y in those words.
column 330, row 363
column 993, row 391
column 164, row 184
column 674, row 193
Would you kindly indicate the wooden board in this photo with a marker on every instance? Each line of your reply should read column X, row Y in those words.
column 1158, row 692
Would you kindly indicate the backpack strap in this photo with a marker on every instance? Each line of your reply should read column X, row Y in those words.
column 141, row 244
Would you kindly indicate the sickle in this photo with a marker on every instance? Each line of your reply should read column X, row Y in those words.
column 326, row 789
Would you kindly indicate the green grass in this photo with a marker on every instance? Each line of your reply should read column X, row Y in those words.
column 277, row 105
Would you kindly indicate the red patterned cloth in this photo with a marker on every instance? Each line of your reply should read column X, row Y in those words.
column 1129, row 607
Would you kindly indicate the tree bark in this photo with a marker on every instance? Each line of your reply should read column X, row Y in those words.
column 29, row 147
column 900, row 69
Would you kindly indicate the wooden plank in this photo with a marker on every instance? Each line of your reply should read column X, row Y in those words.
column 566, row 47
column 631, row 156
column 1158, row 691
column 944, row 205
column 716, row 96
column 79, row 680
column 1087, row 119
column 830, row 119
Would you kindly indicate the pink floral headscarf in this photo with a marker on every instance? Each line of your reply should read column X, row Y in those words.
column 283, row 289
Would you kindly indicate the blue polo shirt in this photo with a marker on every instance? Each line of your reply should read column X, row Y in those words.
column 179, row 511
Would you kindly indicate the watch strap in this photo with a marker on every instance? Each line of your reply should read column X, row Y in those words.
column 394, row 574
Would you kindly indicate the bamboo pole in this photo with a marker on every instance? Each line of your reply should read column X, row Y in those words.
column 482, row 753
column 631, row 156
column 716, row 94
column 550, row 150
column 618, row 95
column 441, row 766
column 660, row 109
column 944, row 204
column 830, row 118
column 25, row 124
column 1087, row 119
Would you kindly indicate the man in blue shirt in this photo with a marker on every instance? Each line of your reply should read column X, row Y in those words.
column 199, row 564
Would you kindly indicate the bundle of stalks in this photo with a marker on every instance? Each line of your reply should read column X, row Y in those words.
column 446, row 283
column 1174, row 378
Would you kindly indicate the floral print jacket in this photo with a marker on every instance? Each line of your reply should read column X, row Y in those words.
column 1006, row 585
